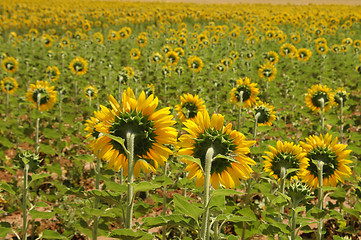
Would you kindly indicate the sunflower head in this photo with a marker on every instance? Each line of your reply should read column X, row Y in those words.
column 152, row 130
column 230, row 162
column 157, row 57
column 189, row 107
column 79, row 66
column 195, row 63
column 10, row 64
column 319, row 96
column 267, row 71
column 9, row 85
column 41, row 93
column 90, row 92
column 340, row 95
column 304, row 54
column 331, row 154
column 286, row 155
column 265, row 113
column 135, row 53
column 299, row 192
column 247, row 90
column 172, row 58
column 52, row 73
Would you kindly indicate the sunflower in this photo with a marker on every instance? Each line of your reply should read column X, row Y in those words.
column 315, row 93
column 227, row 62
column 286, row 155
column 195, row 63
column 189, row 107
column 46, row 93
column 79, row 66
column 172, row 58
column 267, row 71
column 142, row 40
column 52, row 73
column 230, row 145
column 46, row 40
column 333, row 155
column 288, row 50
column 304, row 54
column 234, row 55
column 156, row 57
column 179, row 70
column 220, row 68
column 249, row 91
column 340, row 94
column 152, row 129
column 179, row 51
column 10, row 64
column 322, row 49
column 98, row 37
column 9, row 85
column 272, row 57
column 134, row 53
column 90, row 92
column 266, row 113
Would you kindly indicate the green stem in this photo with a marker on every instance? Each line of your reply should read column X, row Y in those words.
column 341, row 118
column 207, row 175
column 255, row 125
column 130, row 196
column 240, row 110
column 322, row 101
column 25, row 190
column 7, row 103
column 320, row 198
column 37, row 124
column 90, row 99
column 96, row 203
column 164, row 236
column 293, row 223
column 282, row 186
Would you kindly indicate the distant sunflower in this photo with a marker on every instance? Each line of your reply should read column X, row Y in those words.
column 333, row 155
column 249, row 90
column 9, row 84
column 288, row 50
column 304, row 54
column 322, row 49
column 152, row 129
column 142, row 40
column 204, row 133
column 315, row 93
column 340, row 94
column 195, row 63
column 134, row 53
column 267, row 71
column 272, row 57
column 286, row 155
column 46, row 93
column 52, row 73
column 79, row 66
column 172, row 58
column 90, row 92
column 220, row 68
column 10, row 64
column 157, row 57
column 189, row 107
column 266, row 113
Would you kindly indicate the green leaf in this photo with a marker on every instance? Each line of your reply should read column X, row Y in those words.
column 49, row 234
column 337, row 238
column 145, row 186
column 43, row 215
column 192, row 159
column 41, row 204
column 86, row 158
column 6, row 143
column 51, row 133
column 224, row 192
column 129, row 234
column 247, row 212
column 55, row 168
column 317, row 213
column 116, row 187
column 339, row 194
column 47, row 149
column 5, row 228
column 300, row 209
column 351, row 211
column 231, row 159
column 117, row 139
column 182, row 205
column 107, row 196
column 7, row 187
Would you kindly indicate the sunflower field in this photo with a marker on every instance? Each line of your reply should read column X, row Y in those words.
column 130, row 120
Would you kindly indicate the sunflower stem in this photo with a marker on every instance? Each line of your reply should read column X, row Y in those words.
column 207, row 175
column 7, row 103
column 294, row 221
column 37, row 124
column 255, row 124
column 164, row 236
column 341, row 118
column 25, row 190
column 320, row 197
column 282, row 187
column 240, row 109
column 130, row 202
column 322, row 101
column 60, row 117
column 96, row 203
column 90, row 99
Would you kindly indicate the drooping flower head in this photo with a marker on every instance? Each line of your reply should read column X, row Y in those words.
column 10, row 64
column 172, row 58
column 189, row 107
column 313, row 98
column 340, row 94
column 9, row 84
column 152, row 129
column 267, row 71
column 230, row 145
column 79, row 66
column 304, row 54
column 248, row 90
column 42, row 92
column 134, row 53
column 286, row 155
column 288, row 50
column 333, row 155
column 90, row 92
column 272, row 57
column 266, row 113
column 157, row 57
column 52, row 73
column 195, row 64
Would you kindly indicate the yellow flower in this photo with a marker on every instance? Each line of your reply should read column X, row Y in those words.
column 340, row 93
column 46, row 93
column 315, row 93
column 52, row 73
column 152, row 129
column 189, row 107
column 134, row 53
column 266, row 113
column 9, row 84
column 304, row 54
column 90, row 92
column 288, row 50
column 267, row 71
column 272, row 57
column 172, row 58
column 230, row 145
column 195, row 63
column 79, row 66
column 333, row 155
column 10, row 64
column 249, row 92
column 286, row 155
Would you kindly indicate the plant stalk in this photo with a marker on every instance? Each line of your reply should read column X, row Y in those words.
column 320, row 198
column 25, row 191
column 130, row 196
column 255, row 125
column 164, row 236
column 96, row 203
column 240, row 109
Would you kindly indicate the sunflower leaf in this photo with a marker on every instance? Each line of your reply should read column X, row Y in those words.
column 118, row 140
column 145, row 186
column 182, row 205
column 192, row 159
column 130, row 234
column 49, row 234
column 231, row 159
